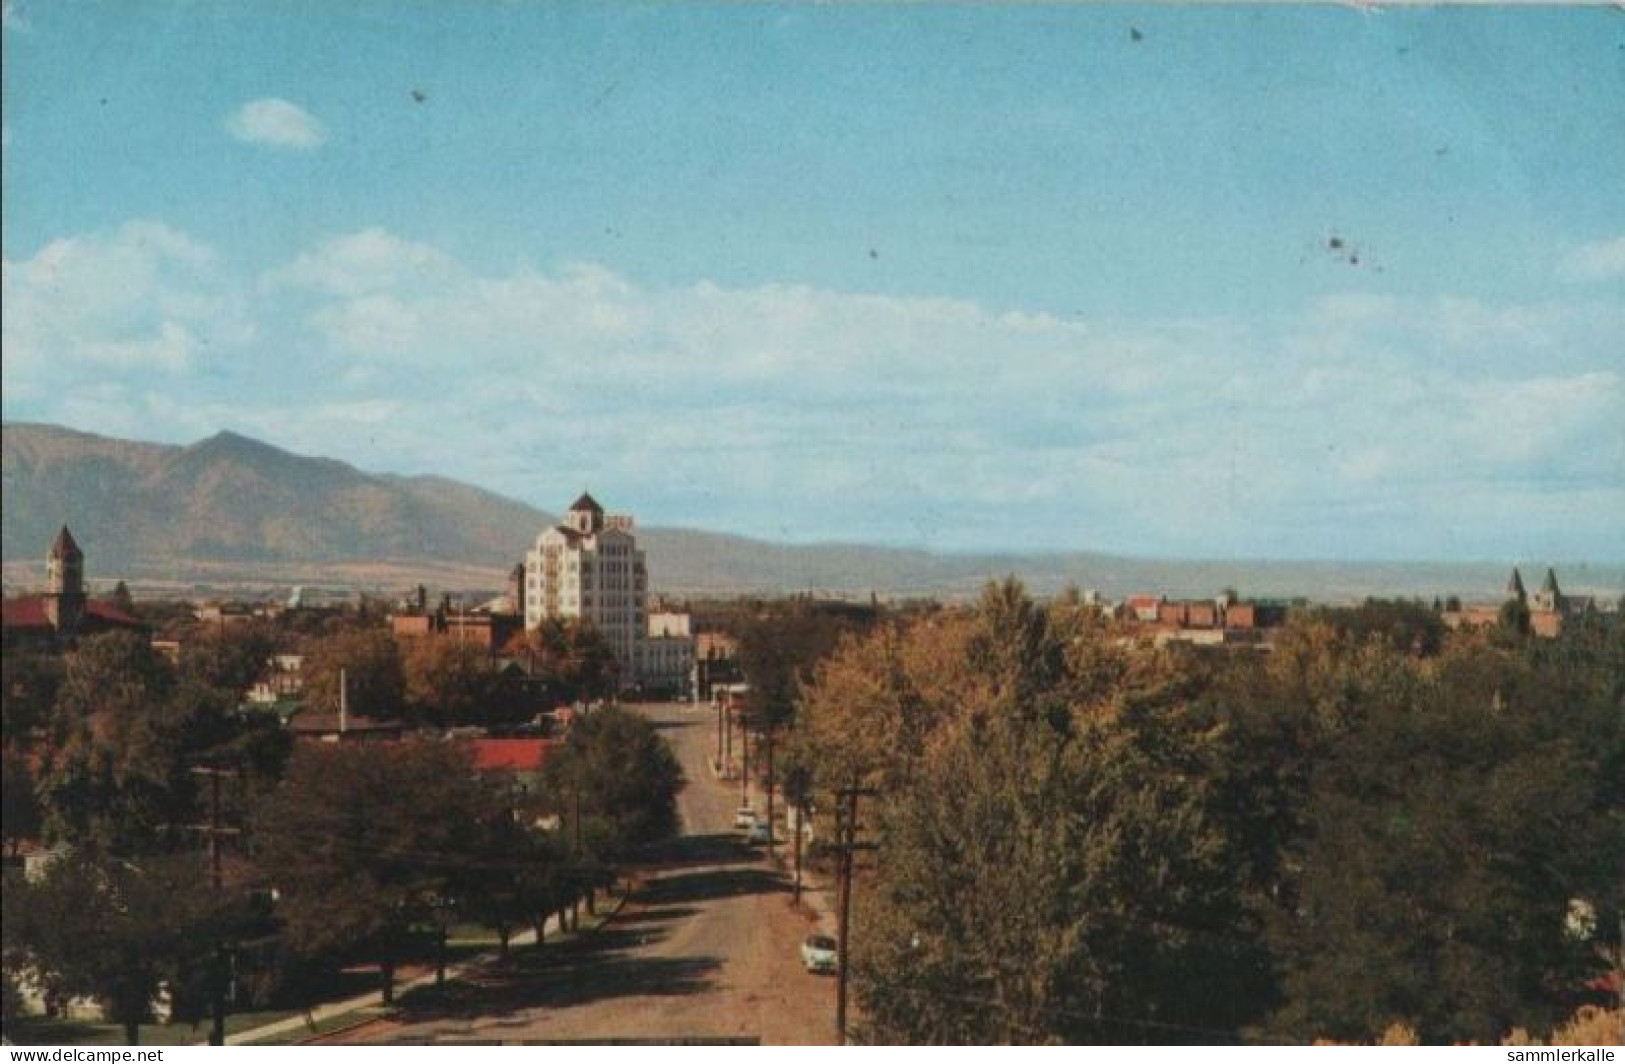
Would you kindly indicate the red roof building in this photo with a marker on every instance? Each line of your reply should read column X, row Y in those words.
column 511, row 755
column 64, row 613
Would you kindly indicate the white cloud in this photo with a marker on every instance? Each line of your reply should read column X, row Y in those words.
column 1600, row 261
column 276, row 123
column 1191, row 430
column 144, row 297
column 1356, row 424
column 372, row 260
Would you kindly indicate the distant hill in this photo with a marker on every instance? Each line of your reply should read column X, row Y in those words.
column 233, row 499
column 231, row 510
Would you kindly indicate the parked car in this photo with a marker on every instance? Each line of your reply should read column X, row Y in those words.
column 818, row 954
column 744, row 817
column 759, row 833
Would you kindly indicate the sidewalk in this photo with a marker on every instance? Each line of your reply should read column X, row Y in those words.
column 305, row 1021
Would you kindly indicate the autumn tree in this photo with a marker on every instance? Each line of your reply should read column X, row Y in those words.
column 370, row 664
column 572, row 658
column 1405, row 626
column 777, row 651
column 1043, row 794
column 230, row 658
column 1045, row 797
column 453, row 682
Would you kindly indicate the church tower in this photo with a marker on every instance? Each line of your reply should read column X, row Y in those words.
column 1515, row 591
column 1550, row 598
column 64, row 582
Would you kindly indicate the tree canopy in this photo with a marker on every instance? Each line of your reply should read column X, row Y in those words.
column 1081, row 838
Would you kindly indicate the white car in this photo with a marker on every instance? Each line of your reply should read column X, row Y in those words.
column 758, row 833
column 818, row 954
column 744, row 817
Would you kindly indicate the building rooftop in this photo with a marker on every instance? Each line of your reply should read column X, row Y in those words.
column 29, row 612
column 65, row 547
column 514, row 755
column 586, row 502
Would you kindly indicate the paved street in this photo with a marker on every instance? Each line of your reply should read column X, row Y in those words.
column 707, row 947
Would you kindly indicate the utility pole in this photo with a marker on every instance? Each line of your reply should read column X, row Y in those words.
column 744, row 761
column 721, row 765
column 846, row 842
column 728, row 732
column 575, row 915
column 795, row 833
column 214, row 830
column 769, row 740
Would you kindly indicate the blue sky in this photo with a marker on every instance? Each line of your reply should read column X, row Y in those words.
column 1241, row 281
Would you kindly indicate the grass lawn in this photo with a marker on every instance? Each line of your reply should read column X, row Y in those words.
column 37, row 1031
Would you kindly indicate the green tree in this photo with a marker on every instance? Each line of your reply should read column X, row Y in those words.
column 363, row 841
column 1513, row 619
column 116, row 931
column 29, row 681
column 777, row 652
column 516, row 876
column 123, row 599
column 111, row 772
column 1449, row 825
column 125, row 734
column 624, row 776
column 22, row 816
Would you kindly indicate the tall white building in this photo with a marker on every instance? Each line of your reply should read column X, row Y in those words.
column 588, row 567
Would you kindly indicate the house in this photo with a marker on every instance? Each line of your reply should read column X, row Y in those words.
column 343, row 728
column 519, row 760
column 282, row 680
column 1142, row 607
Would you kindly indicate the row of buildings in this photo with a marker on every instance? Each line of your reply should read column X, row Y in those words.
column 588, row 567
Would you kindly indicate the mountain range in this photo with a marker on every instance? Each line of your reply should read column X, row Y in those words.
column 234, row 512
